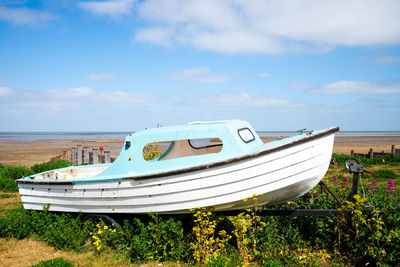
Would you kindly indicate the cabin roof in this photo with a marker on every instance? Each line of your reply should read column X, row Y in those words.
column 195, row 126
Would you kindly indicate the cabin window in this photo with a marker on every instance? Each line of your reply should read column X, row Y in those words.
column 246, row 135
column 127, row 145
column 181, row 148
column 204, row 142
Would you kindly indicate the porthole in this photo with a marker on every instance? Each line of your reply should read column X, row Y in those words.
column 246, row 135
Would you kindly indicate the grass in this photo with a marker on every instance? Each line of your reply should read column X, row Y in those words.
column 9, row 201
column 28, row 252
column 5, row 196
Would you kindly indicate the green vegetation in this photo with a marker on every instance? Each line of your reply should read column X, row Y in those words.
column 384, row 174
column 4, row 196
column 63, row 231
column 8, row 174
column 57, row 262
column 50, row 166
column 357, row 236
column 390, row 159
column 152, row 239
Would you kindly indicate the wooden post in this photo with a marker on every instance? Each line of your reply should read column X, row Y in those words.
column 393, row 149
column 107, row 157
column 95, row 156
column 73, row 152
column 371, row 153
column 352, row 153
column 79, row 155
column 86, row 158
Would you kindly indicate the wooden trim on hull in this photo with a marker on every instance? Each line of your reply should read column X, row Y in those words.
column 45, row 182
column 197, row 168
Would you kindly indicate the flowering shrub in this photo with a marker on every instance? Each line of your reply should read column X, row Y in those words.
column 342, row 186
column 373, row 188
column 390, row 188
column 359, row 233
column 206, row 245
column 386, row 199
column 246, row 226
column 101, row 235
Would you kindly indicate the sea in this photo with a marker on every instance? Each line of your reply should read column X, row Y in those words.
column 34, row 136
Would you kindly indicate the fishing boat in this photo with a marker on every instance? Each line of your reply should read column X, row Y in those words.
column 175, row 169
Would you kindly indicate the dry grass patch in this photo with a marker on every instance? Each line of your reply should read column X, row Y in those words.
column 9, row 201
column 28, row 252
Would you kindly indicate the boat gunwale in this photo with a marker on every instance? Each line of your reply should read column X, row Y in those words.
column 306, row 138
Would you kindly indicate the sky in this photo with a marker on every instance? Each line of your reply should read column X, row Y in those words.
column 125, row 65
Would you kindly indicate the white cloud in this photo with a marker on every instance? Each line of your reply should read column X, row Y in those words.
column 90, row 96
column 34, row 105
column 200, row 75
column 122, row 97
column 242, row 99
column 71, row 92
column 359, row 87
column 112, row 8
column 264, row 75
column 5, row 91
column 387, row 60
column 302, row 85
column 269, row 26
column 77, row 97
column 24, row 16
column 155, row 35
column 101, row 76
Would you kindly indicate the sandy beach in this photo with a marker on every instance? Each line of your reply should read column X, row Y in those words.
column 27, row 153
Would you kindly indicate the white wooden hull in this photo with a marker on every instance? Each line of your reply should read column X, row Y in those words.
column 279, row 176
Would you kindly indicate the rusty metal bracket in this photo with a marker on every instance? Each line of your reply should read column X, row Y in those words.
column 328, row 191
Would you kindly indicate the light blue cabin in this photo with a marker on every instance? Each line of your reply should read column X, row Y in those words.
column 234, row 138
